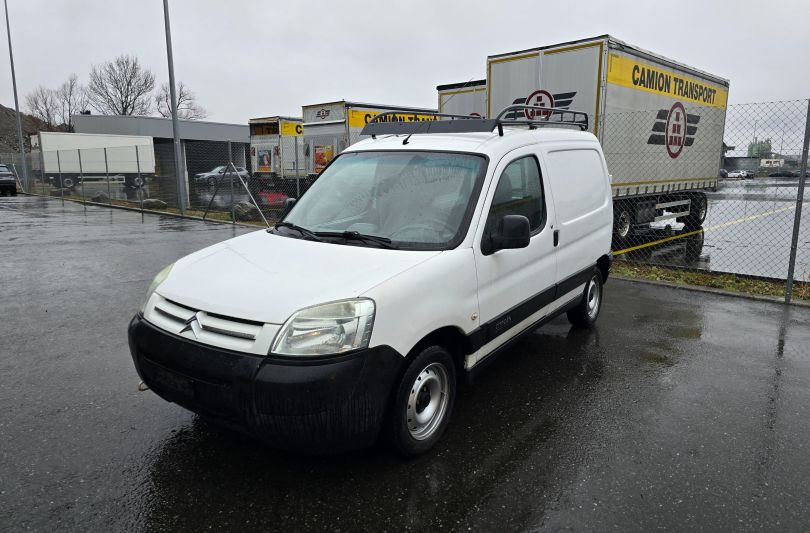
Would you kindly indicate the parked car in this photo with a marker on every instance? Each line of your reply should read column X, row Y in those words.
column 784, row 174
column 413, row 260
column 744, row 174
column 8, row 182
column 218, row 173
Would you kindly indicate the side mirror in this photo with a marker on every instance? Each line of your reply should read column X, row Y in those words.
column 513, row 232
column 288, row 204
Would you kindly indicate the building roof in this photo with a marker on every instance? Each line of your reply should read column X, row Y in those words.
column 192, row 130
column 462, row 85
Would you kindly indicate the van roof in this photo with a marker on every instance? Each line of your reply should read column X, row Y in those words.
column 489, row 144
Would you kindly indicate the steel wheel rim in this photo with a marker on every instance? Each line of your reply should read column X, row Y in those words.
column 593, row 298
column 427, row 401
column 624, row 224
column 702, row 211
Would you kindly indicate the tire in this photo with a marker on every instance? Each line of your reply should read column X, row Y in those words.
column 138, row 182
column 697, row 211
column 413, row 426
column 212, row 182
column 586, row 312
column 69, row 183
column 623, row 221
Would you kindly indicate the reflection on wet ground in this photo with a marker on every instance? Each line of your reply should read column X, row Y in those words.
column 676, row 412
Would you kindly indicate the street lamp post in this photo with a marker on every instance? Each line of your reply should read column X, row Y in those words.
column 16, row 101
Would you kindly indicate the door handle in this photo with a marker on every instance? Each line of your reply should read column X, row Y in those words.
column 556, row 237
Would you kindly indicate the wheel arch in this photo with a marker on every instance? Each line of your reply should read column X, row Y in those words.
column 452, row 339
column 603, row 264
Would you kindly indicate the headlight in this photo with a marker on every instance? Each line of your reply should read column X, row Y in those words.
column 160, row 278
column 331, row 328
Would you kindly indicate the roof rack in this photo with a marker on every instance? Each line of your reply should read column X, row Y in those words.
column 536, row 116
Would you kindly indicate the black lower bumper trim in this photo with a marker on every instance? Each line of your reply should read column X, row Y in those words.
column 325, row 405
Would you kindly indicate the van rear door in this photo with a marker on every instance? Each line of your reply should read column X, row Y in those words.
column 580, row 187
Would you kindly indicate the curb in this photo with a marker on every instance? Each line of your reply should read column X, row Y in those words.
column 712, row 290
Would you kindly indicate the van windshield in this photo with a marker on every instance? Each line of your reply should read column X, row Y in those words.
column 418, row 200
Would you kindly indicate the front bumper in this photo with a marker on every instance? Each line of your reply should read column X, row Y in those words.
column 325, row 405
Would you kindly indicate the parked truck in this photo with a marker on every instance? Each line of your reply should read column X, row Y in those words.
column 65, row 159
column 331, row 127
column 660, row 122
column 467, row 98
column 276, row 147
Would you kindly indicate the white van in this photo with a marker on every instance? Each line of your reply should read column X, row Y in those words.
column 416, row 256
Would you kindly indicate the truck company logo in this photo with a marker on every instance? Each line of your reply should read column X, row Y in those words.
column 323, row 113
column 674, row 128
column 542, row 98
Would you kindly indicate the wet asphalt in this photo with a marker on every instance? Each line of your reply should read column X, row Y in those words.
column 680, row 411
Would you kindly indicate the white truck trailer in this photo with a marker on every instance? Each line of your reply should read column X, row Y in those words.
column 331, row 127
column 277, row 147
column 660, row 122
column 468, row 98
column 65, row 159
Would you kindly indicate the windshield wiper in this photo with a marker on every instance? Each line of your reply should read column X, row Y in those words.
column 303, row 231
column 384, row 242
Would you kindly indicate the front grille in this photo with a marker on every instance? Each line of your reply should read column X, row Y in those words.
column 210, row 328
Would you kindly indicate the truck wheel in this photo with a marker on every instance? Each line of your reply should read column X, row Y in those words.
column 138, row 182
column 69, row 183
column 586, row 312
column 697, row 211
column 623, row 221
column 421, row 407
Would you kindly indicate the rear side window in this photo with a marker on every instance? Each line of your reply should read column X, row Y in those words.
column 519, row 192
column 577, row 178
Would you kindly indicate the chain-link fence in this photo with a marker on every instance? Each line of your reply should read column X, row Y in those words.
column 694, row 188
column 709, row 189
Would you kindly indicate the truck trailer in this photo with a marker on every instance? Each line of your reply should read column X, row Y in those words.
column 331, row 127
column 467, row 98
column 660, row 122
column 66, row 159
column 276, row 147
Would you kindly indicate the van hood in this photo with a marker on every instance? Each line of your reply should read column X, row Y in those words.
column 264, row 277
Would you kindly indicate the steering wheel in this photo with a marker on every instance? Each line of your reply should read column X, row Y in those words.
column 435, row 226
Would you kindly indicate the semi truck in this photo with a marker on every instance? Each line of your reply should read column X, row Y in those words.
column 660, row 122
column 467, row 98
column 276, row 147
column 329, row 128
column 65, row 159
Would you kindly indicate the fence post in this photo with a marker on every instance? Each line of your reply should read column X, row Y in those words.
column 107, row 173
column 297, row 171
column 139, row 190
column 41, row 167
column 230, row 179
column 797, row 220
column 61, row 186
column 81, row 178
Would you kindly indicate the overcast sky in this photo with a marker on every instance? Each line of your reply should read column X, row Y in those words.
column 250, row 58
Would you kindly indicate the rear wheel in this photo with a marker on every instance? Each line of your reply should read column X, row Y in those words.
column 586, row 312
column 623, row 220
column 421, row 407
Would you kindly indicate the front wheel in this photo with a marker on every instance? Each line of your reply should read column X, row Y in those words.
column 420, row 410
column 586, row 312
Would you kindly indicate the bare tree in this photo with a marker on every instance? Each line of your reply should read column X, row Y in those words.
column 42, row 104
column 72, row 99
column 121, row 87
column 187, row 106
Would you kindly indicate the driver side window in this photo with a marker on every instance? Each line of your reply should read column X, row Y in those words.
column 519, row 192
